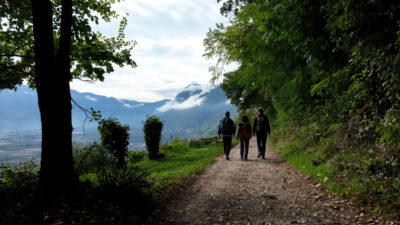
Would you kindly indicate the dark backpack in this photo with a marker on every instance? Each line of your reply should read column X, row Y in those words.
column 243, row 133
column 261, row 124
column 225, row 127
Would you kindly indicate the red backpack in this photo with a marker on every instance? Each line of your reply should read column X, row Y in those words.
column 243, row 133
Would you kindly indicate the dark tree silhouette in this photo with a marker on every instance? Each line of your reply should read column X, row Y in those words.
column 40, row 42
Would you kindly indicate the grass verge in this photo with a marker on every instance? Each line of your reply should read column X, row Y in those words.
column 180, row 162
column 349, row 173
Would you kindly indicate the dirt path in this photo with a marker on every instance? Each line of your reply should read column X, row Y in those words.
column 257, row 192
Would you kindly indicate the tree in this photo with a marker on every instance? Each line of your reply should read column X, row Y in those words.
column 48, row 43
column 301, row 57
column 115, row 137
column 152, row 128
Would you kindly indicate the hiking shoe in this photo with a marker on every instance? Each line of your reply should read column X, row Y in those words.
column 259, row 155
column 227, row 157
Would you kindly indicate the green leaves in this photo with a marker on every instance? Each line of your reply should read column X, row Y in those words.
column 92, row 54
column 115, row 138
column 152, row 128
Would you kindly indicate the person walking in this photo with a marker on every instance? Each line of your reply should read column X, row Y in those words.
column 244, row 135
column 226, row 128
column 261, row 129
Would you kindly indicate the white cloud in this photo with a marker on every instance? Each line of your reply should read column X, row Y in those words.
column 29, row 93
column 132, row 106
column 189, row 103
column 91, row 98
column 127, row 105
column 169, row 53
column 192, row 101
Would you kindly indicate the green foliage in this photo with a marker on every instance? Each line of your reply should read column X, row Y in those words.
column 92, row 54
column 328, row 75
column 298, row 59
column 23, row 175
column 180, row 162
column 368, row 176
column 152, row 128
column 201, row 143
column 93, row 158
column 115, row 138
column 250, row 113
column 96, row 164
column 389, row 130
column 135, row 156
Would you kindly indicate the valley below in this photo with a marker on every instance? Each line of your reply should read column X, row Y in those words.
column 194, row 113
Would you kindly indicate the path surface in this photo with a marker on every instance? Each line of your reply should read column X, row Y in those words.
column 257, row 192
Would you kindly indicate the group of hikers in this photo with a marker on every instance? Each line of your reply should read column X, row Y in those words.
column 261, row 130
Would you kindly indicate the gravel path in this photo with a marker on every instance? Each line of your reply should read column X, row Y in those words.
column 257, row 192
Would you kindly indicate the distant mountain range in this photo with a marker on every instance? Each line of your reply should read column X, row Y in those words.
column 194, row 112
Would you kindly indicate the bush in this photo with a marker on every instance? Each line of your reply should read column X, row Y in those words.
column 201, row 143
column 136, row 156
column 96, row 164
column 23, row 175
column 130, row 188
column 115, row 138
column 152, row 134
column 93, row 158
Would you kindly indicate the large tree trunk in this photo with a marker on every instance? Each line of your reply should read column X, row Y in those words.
column 52, row 77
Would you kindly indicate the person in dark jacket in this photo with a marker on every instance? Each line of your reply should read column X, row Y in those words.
column 244, row 135
column 261, row 130
column 226, row 128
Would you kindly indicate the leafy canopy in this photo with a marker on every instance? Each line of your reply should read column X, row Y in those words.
column 294, row 56
column 92, row 54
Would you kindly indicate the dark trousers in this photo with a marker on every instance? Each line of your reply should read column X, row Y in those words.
column 261, row 143
column 227, row 144
column 244, row 149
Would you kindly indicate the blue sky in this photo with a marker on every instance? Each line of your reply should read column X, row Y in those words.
column 169, row 52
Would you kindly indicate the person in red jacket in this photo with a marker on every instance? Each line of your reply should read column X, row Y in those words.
column 244, row 135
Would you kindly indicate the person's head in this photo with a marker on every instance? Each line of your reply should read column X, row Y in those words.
column 245, row 119
column 260, row 111
column 227, row 114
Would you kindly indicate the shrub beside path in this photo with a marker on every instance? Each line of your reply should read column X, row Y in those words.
column 257, row 192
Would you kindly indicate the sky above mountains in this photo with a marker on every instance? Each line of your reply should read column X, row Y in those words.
column 169, row 52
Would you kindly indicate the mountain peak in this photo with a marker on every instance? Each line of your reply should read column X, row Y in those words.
column 190, row 90
column 192, row 86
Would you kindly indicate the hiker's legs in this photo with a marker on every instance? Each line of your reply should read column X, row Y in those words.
column 259, row 143
column 242, row 149
column 264, row 142
column 246, row 149
column 227, row 145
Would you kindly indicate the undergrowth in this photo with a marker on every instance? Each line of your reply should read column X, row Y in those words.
column 366, row 174
column 107, row 193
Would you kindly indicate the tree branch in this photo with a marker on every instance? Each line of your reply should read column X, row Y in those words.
column 84, row 80
column 14, row 68
column 85, row 111
column 15, row 55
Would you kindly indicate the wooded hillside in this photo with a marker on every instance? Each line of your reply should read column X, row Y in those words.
column 328, row 74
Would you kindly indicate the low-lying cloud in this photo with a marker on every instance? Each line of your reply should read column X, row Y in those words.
column 91, row 98
column 192, row 101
